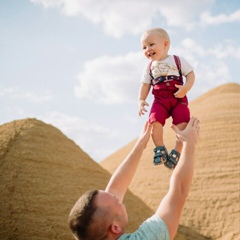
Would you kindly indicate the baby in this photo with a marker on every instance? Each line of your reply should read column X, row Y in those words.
column 165, row 74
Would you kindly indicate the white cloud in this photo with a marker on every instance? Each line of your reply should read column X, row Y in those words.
column 226, row 49
column 18, row 93
column 211, row 65
column 132, row 16
column 190, row 48
column 183, row 13
column 209, row 75
column 111, row 80
column 120, row 17
column 207, row 19
column 117, row 17
column 86, row 134
column 48, row 3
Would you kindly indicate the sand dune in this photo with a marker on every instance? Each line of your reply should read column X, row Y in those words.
column 42, row 175
column 212, row 208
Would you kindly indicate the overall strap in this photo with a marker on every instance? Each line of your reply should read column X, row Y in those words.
column 178, row 63
column 164, row 78
column 149, row 70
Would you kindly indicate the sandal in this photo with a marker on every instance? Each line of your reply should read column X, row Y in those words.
column 173, row 159
column 161, row 155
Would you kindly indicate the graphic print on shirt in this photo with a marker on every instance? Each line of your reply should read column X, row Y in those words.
column 162, row 69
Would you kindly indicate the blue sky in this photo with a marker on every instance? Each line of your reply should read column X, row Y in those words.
column 76, row 64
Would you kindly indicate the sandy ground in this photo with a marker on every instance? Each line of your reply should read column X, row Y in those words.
column 212, row 208
column 43, row 173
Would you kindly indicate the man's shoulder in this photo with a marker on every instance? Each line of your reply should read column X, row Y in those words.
column 153, row 228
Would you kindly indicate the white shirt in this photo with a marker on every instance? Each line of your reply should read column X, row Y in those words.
column 164, row 68
column 154, row 228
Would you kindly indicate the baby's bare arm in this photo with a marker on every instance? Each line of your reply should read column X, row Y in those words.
column 142, row 95
column 183, row 89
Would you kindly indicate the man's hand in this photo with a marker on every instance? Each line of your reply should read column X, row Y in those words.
column 190, row 133
column 141, row 107
column 145, row 134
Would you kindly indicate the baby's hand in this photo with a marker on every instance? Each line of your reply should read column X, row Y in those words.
column 141, row 107
column 182, row 91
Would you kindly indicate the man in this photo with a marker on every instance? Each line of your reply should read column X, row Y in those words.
column 100, row 215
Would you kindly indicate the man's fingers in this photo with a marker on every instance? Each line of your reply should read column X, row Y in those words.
column 197, row 125
column 175, row 128
column 147, row 127
column 195, row 122
column 191, row 122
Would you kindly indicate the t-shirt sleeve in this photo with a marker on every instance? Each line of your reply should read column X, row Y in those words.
column 185, row 67
column 153, row 228
column 145, row 78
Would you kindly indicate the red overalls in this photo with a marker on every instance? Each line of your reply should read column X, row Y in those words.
column 165, row 104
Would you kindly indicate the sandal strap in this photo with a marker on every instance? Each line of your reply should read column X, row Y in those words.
column 160, row 148
column 174, row 152
column 160, row 151
column 161, row 155
column 172, row 158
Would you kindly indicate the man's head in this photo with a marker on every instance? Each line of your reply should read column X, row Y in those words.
column 97, row 215
column 155, row 44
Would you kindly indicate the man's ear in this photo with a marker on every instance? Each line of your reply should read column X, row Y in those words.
column 115, row 228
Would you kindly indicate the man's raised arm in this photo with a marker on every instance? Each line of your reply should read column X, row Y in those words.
column 172, row 204
column 123, row 175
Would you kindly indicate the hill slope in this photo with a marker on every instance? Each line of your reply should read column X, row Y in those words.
column 43, row 173
column 212, row 208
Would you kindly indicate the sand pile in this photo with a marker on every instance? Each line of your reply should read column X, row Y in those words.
column 212, row 208
column 42, row 175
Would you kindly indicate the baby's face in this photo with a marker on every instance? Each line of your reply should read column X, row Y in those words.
column 155, row 47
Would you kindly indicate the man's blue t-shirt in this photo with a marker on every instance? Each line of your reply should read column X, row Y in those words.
column 154, row 228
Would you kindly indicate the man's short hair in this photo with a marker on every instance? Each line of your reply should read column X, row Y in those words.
column 88, row 221
column 81, row 214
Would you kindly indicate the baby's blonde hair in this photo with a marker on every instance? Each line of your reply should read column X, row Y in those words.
column 159, row 31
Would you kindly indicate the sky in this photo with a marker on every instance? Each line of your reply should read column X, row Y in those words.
column 77, row 64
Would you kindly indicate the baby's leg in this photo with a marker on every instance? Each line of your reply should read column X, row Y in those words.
column 181, row 117
column 160, row 152
column 178, row 144
column 157, row 117
column 157, row 134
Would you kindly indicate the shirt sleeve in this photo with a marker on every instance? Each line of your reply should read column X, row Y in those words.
column 146, row 78
column 154, row 228
column 185, row 67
